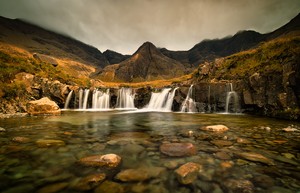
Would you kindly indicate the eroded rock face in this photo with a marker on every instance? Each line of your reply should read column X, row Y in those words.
column 187, row 173
column 178, row 149
column 43, row 106
column 108, row 160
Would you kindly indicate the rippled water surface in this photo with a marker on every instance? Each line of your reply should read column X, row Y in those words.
column 25, row 166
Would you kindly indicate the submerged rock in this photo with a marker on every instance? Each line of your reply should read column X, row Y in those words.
column 43, row 106
column 221, row 143
column 178, row 149
column 187, row 173
column 49, row 142
column 255, row 157
column 239, row 185
column 215, row 128
column 2, row 129
column 20, row 139
column 108, row 160
column 90, row 182
column 109, row 187
column 53, row 188
column 139, row 174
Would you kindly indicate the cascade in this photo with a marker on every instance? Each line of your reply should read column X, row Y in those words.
column 100, row 99
column 80, row 93
column 162, row 101
column 231, row 94
column 189, row 105
column 85, row 98
column 68, row 99
column 125, row 98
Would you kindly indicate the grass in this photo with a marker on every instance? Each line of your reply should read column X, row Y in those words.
column 268, row 58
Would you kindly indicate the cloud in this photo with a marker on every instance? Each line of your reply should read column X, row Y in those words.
column 123, row 25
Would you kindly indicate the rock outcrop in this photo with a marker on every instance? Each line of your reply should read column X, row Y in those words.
column 43, row 106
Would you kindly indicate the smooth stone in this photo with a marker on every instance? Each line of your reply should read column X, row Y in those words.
column 20, row 139
column 289, row 155
column 243, row 141
column 108, row 160
column 222, row 155
column 43, row 106
column 289, row 129
column 2, row 129
column 215, row 128
column 139, row 174
column 109, row 187
column 255, row 157
column 187, row 173
column 49, row 142
column 239, row 185
column 221, row 143
column 263, row 181
column 53, row 188
column 178, row 149
column 90, row 182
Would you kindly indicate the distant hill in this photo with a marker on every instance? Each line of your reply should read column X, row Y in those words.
column 147, row 63
column 114, row 57
column 208, row 50
column 74, row 56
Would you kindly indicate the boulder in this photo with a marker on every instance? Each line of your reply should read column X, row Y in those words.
column 187, row 173
column 107, row 160
column 178, row 149
column 44, row 106
column 215, row 128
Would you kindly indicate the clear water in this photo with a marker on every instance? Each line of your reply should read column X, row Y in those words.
column 25, row 167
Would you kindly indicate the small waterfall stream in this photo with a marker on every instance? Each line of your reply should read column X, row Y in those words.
column 189, row 105
column 68, row 99
column 125, row 99
column 101, row 99
column 161, row 101
column 231, row 99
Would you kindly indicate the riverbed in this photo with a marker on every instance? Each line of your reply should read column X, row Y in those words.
column 26, row 165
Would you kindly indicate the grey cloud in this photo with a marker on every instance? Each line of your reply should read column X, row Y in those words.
column 123, row 25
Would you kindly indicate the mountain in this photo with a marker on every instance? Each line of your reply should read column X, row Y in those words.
column 75, row 57
column 147, row 63
column 114, row 57
column 208, row 50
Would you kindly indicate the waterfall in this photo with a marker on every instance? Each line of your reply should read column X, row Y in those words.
column 162, row 101
column 100, row 99
column 80, row 93
column 189, row 105
column 85, row 98
column 208, row 100
column 125, row 98
column 231, row 94
column 68, row 99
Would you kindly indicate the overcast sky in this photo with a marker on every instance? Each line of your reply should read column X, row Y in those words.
column 123, row 25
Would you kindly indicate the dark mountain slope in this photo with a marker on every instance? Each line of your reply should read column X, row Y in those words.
column 208, row 50
column 36, row 39
column 147, row 63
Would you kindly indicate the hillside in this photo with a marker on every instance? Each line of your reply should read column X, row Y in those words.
column 267, row 77
column 208, row 50
column 20, row 37
column 147, row 63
